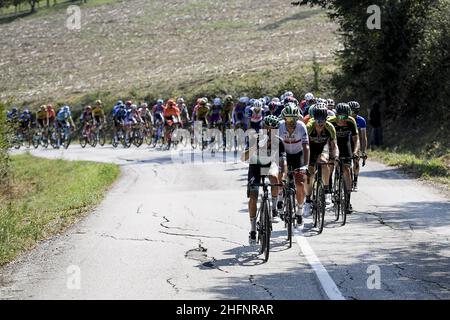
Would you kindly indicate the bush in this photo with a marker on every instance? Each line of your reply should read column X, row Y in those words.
column 4, row 160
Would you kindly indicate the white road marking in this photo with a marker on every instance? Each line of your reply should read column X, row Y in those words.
column 326, row 281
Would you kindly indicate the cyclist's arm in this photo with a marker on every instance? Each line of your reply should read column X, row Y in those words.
column 363, row 139
column 356, row 142
column 306, row 153
column 334, row 150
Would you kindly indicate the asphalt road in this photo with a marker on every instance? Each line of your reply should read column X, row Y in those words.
column 176, row 227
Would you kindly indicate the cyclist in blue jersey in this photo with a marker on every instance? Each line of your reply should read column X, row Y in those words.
column 361, row 124
column 238, row 115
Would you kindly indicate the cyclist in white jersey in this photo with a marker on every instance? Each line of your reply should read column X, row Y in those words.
column 295, row 139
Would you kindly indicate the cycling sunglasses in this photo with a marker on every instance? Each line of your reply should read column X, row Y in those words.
column 342, row 117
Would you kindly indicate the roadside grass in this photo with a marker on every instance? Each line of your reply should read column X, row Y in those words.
column 45, row 197
column 434, row 169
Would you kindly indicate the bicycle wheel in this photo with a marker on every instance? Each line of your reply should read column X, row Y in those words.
column 67, row 141
column 267, row 231
column 36, row 141
column 102, row 138
column 336, row 195
column 342, row 199
column 27, row 141
column 83, row 140
column 314, row 205
column 320, row 207
column 92, row 139
column 288, row 216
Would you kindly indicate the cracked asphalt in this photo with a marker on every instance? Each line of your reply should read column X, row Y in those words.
column 176, row 226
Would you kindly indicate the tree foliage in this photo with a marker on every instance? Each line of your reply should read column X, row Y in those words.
column 405, row 65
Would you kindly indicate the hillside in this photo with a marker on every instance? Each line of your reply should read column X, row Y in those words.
column 141, row 44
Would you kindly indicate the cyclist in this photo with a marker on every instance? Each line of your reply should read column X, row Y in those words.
column 13, row 115
column 238, row 115
column 64, row 118
column 260, row 167
column 322, row 144
column 275, row 107
column 98, row 114
column 42, row 118
column 86, row 119
column 362, row 133
column 119, row 118
column 310, row 114
column 201, row 111
column 330, row 106
column 306, row 103
column 214, row 113
column 227, row 111
column 346, row 131
column 132, row 118
column 294, row 135
column 184, row 112
column 51, row 115
column 157, row 111
column 117, row 107
column 145, row 115
column 256, row 115
column 171, row 117
column 25, row 120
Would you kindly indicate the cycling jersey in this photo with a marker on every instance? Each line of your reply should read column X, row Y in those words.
column 343, row 133
column 158, row 109
column 41, row 115
column 238, row 114
column 201, row 111
column 344, row 136
column 170, row 112
column 51, row 113
column 317, row 141
column 360, row 122
column 328, row 133
column 63, row 115
column 293, row 143
column 86, row 117
column 227, row 112
column 255, row 116
column 120, row 115
column 98, row 113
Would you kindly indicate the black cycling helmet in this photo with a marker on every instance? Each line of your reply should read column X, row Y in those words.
column 354, row 106
column 343, row 109
column 320, row 113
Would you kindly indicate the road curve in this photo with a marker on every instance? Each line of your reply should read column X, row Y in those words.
column 176, row 226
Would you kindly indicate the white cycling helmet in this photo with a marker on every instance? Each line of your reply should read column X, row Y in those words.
column 309, row 96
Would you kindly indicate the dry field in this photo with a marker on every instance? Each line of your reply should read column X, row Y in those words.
column 142, row 43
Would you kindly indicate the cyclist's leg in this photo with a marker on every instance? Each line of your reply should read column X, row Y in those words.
column 254, row 174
